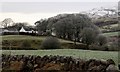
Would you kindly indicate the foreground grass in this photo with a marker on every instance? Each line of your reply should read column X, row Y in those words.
column 84, row 54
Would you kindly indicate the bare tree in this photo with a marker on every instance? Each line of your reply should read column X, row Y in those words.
column 7, row 22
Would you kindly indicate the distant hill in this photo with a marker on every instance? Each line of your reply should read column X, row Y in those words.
column 106, row 19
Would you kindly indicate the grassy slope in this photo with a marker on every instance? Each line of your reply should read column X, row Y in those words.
column 21, row 37
column 35, row 41
column 111, row 33
column 24, row 37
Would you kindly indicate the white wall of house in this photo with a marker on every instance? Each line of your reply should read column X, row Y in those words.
column 53, row 34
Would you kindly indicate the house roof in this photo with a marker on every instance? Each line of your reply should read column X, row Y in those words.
column 10, row 29
column 22, row 30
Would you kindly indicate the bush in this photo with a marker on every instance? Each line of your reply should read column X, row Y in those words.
column 26, row 44
column 101, row 39
column 98, row 47
column 94, row 47
column 104, row 47
column 114, row 46
column 50, row 43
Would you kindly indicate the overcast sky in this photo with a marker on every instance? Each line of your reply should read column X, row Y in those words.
column 33, row 11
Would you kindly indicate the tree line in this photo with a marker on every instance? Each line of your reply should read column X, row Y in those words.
column 75, row 27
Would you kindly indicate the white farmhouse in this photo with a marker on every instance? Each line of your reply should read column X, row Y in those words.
column 25, row 31
column 22, row 30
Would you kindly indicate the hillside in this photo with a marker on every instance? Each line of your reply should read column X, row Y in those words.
column 106, row 19
column 15, row 42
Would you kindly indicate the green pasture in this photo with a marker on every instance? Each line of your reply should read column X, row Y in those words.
column 77, row 53
column 112, row 25
column 111, row 34
column 25, row 37
column 15, row 41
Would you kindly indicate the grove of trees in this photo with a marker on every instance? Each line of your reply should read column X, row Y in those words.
column 75, row 27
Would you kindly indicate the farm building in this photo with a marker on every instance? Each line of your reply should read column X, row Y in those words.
column 27, row 31
column 14, row 31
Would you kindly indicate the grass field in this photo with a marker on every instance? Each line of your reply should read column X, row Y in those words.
column 113, row 25
column 25, row 37
column 35, row 41
column 111, row 34
column 84, row 54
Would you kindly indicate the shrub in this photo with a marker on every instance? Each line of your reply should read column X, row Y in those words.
column 101, row 39
column 94, row 47
column 26, row 44
column 98, row 47
column 104, row 47
column 50, row 43
column 113, row 46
